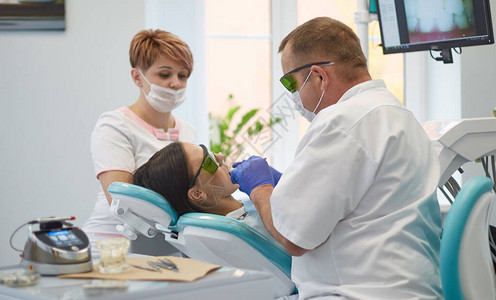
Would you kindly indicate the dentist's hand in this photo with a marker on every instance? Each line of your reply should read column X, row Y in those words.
column 275, row 174
column 251, row 173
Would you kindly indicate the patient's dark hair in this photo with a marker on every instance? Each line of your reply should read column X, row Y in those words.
column 166, row 173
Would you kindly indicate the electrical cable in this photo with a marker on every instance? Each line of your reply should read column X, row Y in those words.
column 439, row 58
column 493, row 167
column 492, row 245
column 491, row 240
column 494, row 172
column 446, row 195
column 453, row 188
column 455, row 184
column 12, row 236
column 435, row 58
column 450, row 188
column 485, row 166
column 485, row 162
column 459, row 50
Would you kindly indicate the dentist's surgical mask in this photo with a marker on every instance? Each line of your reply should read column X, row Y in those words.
column 309, row 115
column 163, row 99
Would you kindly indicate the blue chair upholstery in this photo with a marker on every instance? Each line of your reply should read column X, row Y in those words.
column 466, row 266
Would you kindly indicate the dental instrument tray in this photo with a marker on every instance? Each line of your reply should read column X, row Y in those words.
column 56, row 248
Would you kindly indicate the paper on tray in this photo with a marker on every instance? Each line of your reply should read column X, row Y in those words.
column 189, row 270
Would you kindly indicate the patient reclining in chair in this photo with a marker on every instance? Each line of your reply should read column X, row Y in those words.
column 193, row 179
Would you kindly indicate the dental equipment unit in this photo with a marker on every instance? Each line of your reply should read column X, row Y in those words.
column 57, row 248
column 460, row 141
column 202, row 236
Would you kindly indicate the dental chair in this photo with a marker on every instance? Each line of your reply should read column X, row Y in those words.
column 467, row 248
column 467, row 270
column 202, row 236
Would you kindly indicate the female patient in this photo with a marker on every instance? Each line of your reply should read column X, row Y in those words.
column 192, row 179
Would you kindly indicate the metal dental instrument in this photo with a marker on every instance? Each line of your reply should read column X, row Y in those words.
column 154, row 265
column 147, row 268
column 168, row 264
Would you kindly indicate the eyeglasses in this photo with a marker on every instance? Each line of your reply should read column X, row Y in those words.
column 290, row 82
column 209, row 164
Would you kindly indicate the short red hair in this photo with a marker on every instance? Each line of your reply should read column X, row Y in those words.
column 148, row 45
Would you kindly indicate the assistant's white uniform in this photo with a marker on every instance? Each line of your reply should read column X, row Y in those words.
column 122, row 141
column 361, row 194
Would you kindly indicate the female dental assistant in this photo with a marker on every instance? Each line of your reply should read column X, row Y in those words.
column 125, row 138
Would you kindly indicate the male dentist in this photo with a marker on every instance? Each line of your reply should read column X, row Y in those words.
column 357, row 207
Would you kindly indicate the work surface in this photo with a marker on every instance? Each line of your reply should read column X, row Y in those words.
column 225, row 283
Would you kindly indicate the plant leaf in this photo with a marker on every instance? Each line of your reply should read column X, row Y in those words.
column 274, row 121
column 231, row 113
column 246, row 117
column 259, row 126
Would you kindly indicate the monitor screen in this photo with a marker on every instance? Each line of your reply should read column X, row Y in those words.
column 416, row 25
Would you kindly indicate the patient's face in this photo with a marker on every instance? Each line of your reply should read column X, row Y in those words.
column 218, row 184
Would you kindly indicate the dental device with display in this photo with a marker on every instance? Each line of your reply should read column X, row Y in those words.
column 57, row 248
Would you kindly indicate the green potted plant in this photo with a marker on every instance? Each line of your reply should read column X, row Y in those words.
column 225, row 131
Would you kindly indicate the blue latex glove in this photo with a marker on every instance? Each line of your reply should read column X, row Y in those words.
column 251, row 173
column 276, row 174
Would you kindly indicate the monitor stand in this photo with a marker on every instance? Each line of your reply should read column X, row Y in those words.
column 447, row 56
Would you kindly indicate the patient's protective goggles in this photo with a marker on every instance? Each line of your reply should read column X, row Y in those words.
column 289, row 81
column 209, row 164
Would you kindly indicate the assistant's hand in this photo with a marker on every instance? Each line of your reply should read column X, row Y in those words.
column 251, row 173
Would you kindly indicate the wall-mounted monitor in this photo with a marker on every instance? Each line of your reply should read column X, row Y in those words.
column 416, row 25
column 32, row 15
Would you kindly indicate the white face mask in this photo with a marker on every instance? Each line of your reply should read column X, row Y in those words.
column 309, row 115
column 163, row 99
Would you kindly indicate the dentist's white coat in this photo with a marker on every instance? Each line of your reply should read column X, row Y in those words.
column 361, row 194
